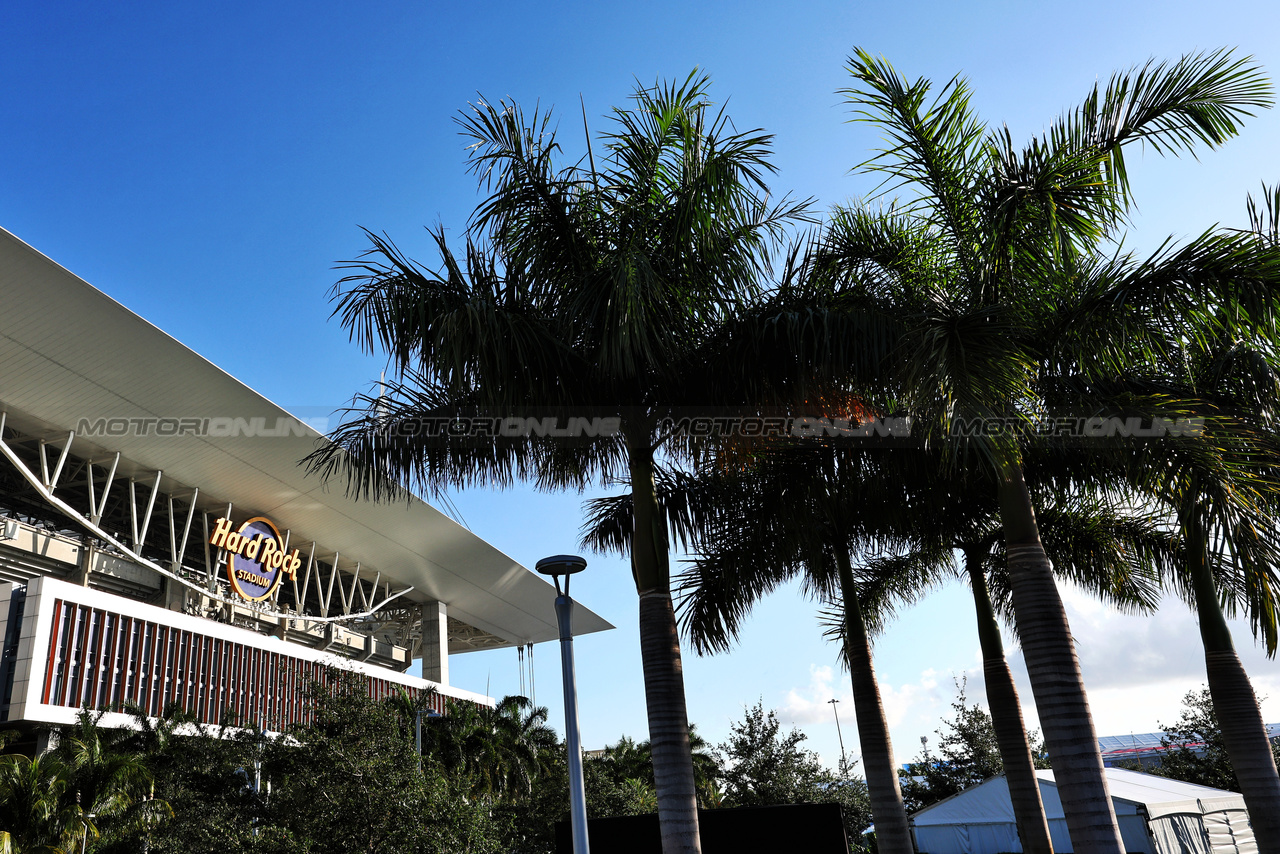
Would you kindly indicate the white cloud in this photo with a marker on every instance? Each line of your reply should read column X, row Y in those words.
column 1136, row 669
column 811, row 704
column 902, row 702
column 911, row 708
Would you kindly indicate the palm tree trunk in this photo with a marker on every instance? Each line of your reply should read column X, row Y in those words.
column 893, row 832
column 1006, row 719
column 1243, row 732
column 1056, row 680
column 663, row 672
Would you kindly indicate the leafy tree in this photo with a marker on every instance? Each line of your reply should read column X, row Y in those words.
column 764, row 766
column 349, row 781
column 850, row 792
column 605, row 287
column 529, row 824
column 1194, row 750
column 609, row 795
column 205, row 774
column 968, row 753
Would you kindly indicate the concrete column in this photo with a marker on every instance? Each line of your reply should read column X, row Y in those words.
column 85, row 567
column 435, row 642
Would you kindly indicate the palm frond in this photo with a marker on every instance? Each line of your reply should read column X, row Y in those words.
column 933, row 145
column 886, row 585
column 686, row 502
column 1199, row 99
column 1120, row 556
column 1264, row 215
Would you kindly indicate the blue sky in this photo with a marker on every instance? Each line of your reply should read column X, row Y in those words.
column 203, row 161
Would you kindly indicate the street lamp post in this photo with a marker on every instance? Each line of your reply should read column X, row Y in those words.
column 556, row 566
column 417, row 730
column 843, row 761
column 84, row 820
column 417, row 735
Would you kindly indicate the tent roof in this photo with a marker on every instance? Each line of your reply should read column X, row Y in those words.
column 988, row 802
column 70, row 352
column 1162, row 796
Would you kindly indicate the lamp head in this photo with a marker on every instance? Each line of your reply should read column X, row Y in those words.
column 561, row 565
column 558, row 565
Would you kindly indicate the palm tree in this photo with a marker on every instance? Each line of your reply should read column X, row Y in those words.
column 603, row 288
column 499, row 751
column 891, row 499
column 791, row 516
column 1006, row 715
column 34, row 813
column 757, row 520
column 526, row 740
column 1226, row 501
column 109, row 779
column 1118, row 556
column 991, row 264
column 629, row 759
column 632, row 760
column 1221, row 493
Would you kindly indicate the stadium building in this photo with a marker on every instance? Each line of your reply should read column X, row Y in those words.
column 159, row 542
column 1145, row 750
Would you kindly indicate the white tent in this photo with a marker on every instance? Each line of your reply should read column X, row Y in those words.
column 1156, row 815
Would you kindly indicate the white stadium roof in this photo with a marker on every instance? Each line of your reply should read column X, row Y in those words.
column 69, row 352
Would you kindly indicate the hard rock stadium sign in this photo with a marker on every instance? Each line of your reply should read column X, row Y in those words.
column 256, row 558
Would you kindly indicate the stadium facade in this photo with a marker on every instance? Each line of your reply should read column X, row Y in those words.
column 160, row 544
